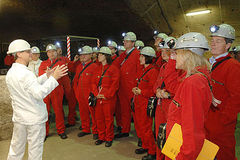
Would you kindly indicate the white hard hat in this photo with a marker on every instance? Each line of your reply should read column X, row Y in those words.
column 96, row 49
column 193, row 41
column 58, row 45
column 18, row 46
column 148, row 51
column 223, row 30
column 139, row 43
column 130, row 36
column 161, row 35
column 170, row 42
column 121, row 48
column 51, row 47
column 112, row 44
column 35, row 49
column 105, row 50
column 86, row 50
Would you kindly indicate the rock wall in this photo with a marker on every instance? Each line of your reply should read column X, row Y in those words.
column 5, row 111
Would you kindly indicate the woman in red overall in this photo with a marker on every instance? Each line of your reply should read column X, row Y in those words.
column 192, row 100
column 105, row 83
column 165, row 97
column 142, row 92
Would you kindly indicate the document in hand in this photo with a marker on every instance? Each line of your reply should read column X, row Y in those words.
column 174, row 143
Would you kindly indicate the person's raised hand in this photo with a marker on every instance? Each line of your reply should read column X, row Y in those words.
column 60, row 71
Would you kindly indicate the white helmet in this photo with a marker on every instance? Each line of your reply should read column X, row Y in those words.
column 223, row 30
column 161, row 35
column 148, row 51
column 121, row 48
column 96, row 49
column 194, row 41
column 35, row 50
column 139, row 43
column 86, row 50
column 18, row 46
column 105, row 50
column 51, row 47
column 112, row 44
column 58, row 45
column 130, row 36
column 170, row 42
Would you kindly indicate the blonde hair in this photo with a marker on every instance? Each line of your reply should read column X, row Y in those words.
column 192, row 60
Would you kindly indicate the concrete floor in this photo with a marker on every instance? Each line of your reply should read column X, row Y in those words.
column 74, row 148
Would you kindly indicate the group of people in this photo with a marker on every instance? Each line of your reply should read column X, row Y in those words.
column 202, row 96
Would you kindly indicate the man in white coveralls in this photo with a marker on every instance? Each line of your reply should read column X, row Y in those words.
column 27, row 93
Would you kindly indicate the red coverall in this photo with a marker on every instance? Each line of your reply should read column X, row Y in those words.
column 9, row 60
column 158, row 61
column 144, row 122
column 189, row 109
column 117, row 106
column 221, row 122
column 128, row 74
column 104, row 109
column 68, row 91
column 163, row 105
column 82, row 88
column 55, row 97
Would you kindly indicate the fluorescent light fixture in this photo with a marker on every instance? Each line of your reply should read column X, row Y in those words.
column 197, row 13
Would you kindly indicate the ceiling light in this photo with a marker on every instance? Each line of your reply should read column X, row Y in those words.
column 197, row 13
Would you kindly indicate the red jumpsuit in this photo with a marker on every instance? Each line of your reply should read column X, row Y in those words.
column 68, row 91
column 128, row 70
column 104, row 109
column 117, row 106
column 158, row 61
column 9, row 60
column 189, row 108
column 163, row 105
column 82, row 88
column 221, row 122
column 55, row 97
column 144, row 122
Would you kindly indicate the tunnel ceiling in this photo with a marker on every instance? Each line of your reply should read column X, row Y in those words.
column 107, row 19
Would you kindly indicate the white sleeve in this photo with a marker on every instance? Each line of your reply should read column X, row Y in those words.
column 37, row 90
column 41, row 79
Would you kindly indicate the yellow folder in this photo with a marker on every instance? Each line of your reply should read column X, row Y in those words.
column 174, row 143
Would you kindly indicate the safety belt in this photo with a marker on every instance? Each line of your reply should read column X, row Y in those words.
column 53, row 64
column 83, row 70
column 126, row 57
column 218, row 63
column 100, row 80
column 143, row 75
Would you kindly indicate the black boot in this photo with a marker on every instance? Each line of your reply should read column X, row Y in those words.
column 149, row 157
column 141, row 151
column 98, row 142
column 120, row 135
column 69, row 125
column 63, row 135
column 81, row 134
column 108, row 143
